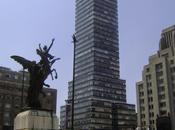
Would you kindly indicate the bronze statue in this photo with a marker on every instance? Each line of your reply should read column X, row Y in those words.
column 38, row 73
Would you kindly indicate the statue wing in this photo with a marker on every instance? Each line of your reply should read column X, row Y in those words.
column 24, row 62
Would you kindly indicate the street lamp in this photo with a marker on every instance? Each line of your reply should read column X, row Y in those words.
column 22, row 90
column 72, row 119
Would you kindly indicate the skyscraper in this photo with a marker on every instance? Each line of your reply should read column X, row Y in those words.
column 98, row 87
column 156, row 91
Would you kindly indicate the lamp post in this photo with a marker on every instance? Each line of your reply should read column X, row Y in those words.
column 22, row 90
column 73, row 80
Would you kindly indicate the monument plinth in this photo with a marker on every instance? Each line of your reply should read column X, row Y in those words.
column 36, row 120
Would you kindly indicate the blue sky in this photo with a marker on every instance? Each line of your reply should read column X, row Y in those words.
column 26, row 23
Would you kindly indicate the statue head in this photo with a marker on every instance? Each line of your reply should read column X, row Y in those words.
column 45, row 48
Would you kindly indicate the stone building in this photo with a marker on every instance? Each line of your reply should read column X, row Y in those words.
column 156, row 91
column 11, row 93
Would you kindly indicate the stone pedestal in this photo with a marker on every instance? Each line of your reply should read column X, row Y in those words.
column 36, row 120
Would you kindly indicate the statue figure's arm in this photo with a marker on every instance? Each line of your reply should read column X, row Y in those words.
column 50, row 45
column 40, row 48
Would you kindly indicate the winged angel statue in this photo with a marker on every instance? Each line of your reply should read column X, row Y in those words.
column 38, row 73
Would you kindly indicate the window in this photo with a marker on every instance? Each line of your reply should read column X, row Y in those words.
column 142, row 108
column 151, row 121
column 142, row 115
column 162, row 104
column 151, row 107
column 49, row 94
column 172, row 70
column 160, row 81
column 172, row 62
column 141, row 93
column 150, row 91
column 163, row 112
column 150, row 99
column 162, row 96
column 16, row 77
column 165, row 55
column 6, row 123
column 161, row 89
column 141, row 101
column 7, row 106
column 149, row 84
column 159, row 66
column 148, row 77
column 25, row 78
column 1, row 96
column 7, row 75
column 6, row 115
column 141, row 86
column 173, row 93
column 147, row 69
column 8, row 97
column 160, row 73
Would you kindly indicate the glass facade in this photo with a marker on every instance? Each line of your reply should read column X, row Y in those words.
column 97, row 77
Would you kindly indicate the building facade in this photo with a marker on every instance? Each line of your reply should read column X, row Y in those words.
column 11, row 93
column 156, row 91
column 97, row 73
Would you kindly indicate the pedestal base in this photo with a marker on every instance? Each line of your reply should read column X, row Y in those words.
column 36, row 120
